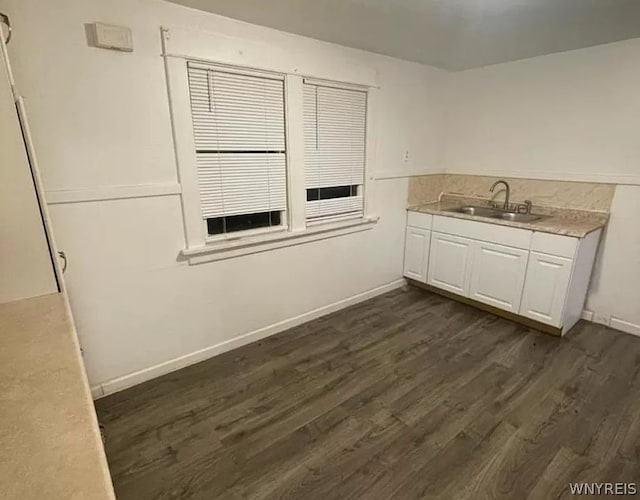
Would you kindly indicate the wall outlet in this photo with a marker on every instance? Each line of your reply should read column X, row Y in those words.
column 405, row 156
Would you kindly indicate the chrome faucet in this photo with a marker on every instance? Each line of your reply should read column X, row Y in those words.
column 506, row 196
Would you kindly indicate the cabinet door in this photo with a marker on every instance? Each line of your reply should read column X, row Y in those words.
column 416, row 253
column 545, row 288
column 498, row 275
column 450, row 263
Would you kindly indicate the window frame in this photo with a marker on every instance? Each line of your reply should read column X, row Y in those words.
column 361, row 187
column 283, row 226
column 295, row 229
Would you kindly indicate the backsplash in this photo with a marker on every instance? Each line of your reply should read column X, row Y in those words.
column 426, row 188
column 560, row 194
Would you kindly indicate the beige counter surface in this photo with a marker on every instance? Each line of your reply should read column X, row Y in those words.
column 567, row 222
column 49, row 437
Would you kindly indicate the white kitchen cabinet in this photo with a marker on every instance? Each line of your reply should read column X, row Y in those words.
column 416, row 253
column 498, row 274
column 450, row 263
column 546, row 287
column 541, row 276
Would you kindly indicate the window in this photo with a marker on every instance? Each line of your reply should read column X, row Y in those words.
column 266, row 159
column 239, row 132
column 334, row 152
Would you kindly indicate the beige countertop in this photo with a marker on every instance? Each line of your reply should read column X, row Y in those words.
column 49, row 436
column 567, row 222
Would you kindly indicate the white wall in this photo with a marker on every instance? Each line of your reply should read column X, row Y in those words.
column 572, row 116
column 613, row 296
column 25, row 261
column 100, row 119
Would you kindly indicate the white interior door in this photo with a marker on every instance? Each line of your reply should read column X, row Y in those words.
column 498, row 275
column 416, row 253
column 545, row 288
column 26, row 264
column 450, row 263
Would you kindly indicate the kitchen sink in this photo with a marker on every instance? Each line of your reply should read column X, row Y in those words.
column 479, row 211
column 519, row 217
column 495, row 213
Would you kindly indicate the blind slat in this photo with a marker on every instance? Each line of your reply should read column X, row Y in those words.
column 232, row 113
column 234, row 184
column 337, row 206
column 335, row 146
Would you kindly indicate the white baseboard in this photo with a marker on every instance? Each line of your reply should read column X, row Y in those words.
column 96, row 391
column 121, row 383
column 624, row 326
column 587, row 315
column 612, row 322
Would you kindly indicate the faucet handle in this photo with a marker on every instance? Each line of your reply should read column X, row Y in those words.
column 524, row 208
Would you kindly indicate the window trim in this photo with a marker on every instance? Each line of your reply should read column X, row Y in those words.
column 248, row 233
column 201, row 247
column 245, row 245
column 278, row 77
column 225, row 68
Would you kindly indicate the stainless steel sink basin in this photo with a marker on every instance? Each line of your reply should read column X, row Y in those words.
column 519, row 217
column 479, row 211
column 495, row 213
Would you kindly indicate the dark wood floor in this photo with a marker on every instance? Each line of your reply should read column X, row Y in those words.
column 408, row 395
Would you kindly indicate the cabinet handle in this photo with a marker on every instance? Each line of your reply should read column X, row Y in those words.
column 63, row 256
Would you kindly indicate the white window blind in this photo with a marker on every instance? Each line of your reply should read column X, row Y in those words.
column 335, row 143
column 239, row 130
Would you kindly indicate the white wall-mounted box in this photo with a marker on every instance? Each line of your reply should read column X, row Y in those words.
column 109, row 36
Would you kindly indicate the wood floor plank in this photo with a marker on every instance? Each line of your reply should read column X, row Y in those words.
column 406, row 395
column 554, row 482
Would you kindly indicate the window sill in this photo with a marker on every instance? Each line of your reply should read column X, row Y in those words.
column 260, row 233
column 254, row 244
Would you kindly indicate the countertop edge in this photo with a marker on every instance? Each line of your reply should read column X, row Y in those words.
column 53, row 434
column 517, row 225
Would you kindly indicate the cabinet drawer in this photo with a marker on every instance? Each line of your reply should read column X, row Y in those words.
column 494, row 233
column 554, row 244
column 418, row 219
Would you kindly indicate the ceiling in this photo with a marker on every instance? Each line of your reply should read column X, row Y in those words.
column 450, row 34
